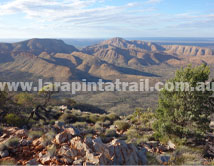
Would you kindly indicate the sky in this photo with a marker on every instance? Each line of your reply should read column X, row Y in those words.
column 106, row 18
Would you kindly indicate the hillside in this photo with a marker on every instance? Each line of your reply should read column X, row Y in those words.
column 37, row 46
column 53, row 59
column 110, row 59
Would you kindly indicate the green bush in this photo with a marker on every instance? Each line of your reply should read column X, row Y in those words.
column 103, row 117
column 113, row 117
column 25, row 99
column 94, row 118
column 183, row 113
column 132, row 133
column 121, row 125
column 98, row 127
column 107, row 123
column 12, row 142
column 35, row 134
column 111, row 133
column 84, row 117
column 14, row 120
column 80, row 124
column 68, row 118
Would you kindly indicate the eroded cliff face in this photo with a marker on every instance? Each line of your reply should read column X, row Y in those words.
column 188, row 50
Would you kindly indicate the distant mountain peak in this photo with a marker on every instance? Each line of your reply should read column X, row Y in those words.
column 37, row 46
column 116, row 39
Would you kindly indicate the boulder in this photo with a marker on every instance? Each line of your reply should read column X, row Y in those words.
column 73, row 131
column 25, row 142
column 59, row 124
column 66, row 160
column 78, row 144
column 66, row 135
column 4, row 153
column 38, row 141
column 62, row 137
column 45, row 159
column 67, row 151
column 171, row 145
column 21, row 133
column 96, row 152
column 119, row 151
column 78, row 162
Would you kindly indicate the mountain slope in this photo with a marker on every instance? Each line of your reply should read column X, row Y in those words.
column 139, row 54
column 110, row 59
column 37, row 46
column 129, row 53
column 188, row 50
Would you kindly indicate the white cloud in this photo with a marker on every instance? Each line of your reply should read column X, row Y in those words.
column 153, row 1
column 80, row 17
column 74, row 12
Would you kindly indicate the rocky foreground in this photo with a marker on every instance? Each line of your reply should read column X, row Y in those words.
column 66, row 147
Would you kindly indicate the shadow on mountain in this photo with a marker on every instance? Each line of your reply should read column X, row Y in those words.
column 79, row 75
column 5, row 58
column 130, row 71
column 163, row 58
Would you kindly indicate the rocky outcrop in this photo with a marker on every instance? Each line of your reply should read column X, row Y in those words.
column 69, row 147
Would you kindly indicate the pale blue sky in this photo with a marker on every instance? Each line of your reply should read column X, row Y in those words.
column 106, row 18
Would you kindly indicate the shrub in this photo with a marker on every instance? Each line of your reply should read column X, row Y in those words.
column 35, row 134
column 98, row 127
column 80, row 124
column 93, row 118
column 107, row 123
column 111, row 133
column 121, row 125
column 103, row 117
column 129, row 117
column 12, row 142
column 84, row 117
column 14, row 120
column 3, row 98
column 68, row 118
column 113, row 117
column 132, row 133
column 185, row 113
column 25, row 99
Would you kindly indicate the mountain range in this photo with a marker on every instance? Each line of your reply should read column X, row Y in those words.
column 110, row 59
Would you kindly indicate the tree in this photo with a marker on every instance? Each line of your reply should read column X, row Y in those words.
column 25, row 99
column 3, row 98
column 185, row 113
column 46, row 92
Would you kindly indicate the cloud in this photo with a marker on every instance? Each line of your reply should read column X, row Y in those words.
column 93, row 17
column 74, row 12
column 153, row 1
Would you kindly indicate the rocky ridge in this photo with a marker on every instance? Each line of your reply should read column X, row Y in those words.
column 68, row 147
